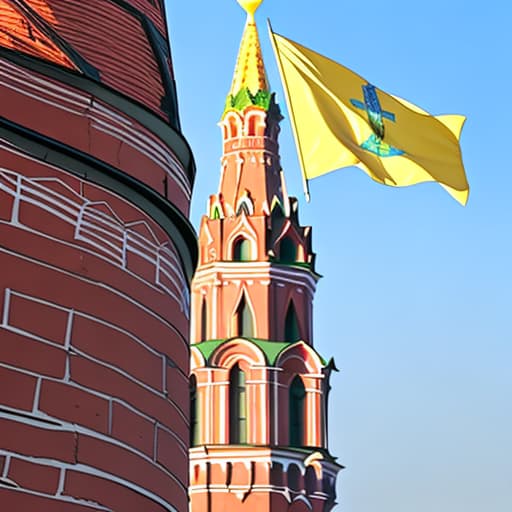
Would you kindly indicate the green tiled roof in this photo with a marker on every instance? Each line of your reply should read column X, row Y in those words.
column 271, row 349
column 207, row 347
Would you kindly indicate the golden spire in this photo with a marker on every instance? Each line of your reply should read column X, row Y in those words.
column 250, row 71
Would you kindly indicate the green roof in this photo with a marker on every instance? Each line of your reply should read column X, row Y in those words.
column 271, row 349
column 244, row 98
column 207, row 347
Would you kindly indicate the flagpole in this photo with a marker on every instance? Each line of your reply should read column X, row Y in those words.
column 290, row 109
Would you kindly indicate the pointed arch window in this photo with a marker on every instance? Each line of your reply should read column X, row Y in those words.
column 310, row 480
column 291, row 325
column 294, row 477
column 215, row 214
column 243, row 208
column 243, row 320
column 252, row 126
column 242, row 250
column 204, row 320
column 276, row 208
column 233, row 128
column 194, row 413
column 287, row 251
column 237, row 406
column 296, row 412
column 245, row 205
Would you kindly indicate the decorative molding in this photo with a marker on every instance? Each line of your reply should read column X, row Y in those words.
column 98, row 227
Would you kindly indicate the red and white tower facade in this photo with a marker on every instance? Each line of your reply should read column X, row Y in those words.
column 259, row 388
column 96, row 254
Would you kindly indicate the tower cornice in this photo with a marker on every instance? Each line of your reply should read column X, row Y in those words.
column 256, row 270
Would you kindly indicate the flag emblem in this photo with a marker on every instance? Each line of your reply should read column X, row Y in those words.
column 375, row 143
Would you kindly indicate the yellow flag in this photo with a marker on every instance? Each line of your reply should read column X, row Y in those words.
column 340, row 120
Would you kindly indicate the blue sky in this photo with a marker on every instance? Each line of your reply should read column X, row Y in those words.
column 415, row 304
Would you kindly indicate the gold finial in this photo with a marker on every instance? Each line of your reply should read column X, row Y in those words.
column 250, row 6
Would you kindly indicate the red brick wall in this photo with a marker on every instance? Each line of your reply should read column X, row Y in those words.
column 95, row 260
column 93, row 349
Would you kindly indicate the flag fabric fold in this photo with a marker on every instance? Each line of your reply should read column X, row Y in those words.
column 339, row 120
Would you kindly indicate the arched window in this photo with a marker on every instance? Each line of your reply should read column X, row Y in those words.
column 243, row 321
column 294, row 477
column 197, row 472
column 287, row 251
column 291, row 325
column 311, row 481
column 204, row 320
column 237, row 407
column 233, row 127
column 194, row 416
column 296, row 412
column 252, row 126
column 242, row 250
column 276, row 474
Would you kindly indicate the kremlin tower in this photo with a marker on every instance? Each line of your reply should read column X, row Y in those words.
column 96, row 256
column 259, row 388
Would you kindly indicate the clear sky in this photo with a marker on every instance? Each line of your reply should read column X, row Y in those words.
column 416, row 300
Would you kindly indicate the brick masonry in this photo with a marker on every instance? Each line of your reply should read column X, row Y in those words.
column 94, row 277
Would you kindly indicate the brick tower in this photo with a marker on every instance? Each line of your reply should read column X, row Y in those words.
column 259, row 388
column 96, row 254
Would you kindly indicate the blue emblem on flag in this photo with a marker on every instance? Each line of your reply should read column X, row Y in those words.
column 375, row 143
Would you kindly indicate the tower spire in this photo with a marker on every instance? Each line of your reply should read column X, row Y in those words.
column 259, row 386
column 250, row 84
